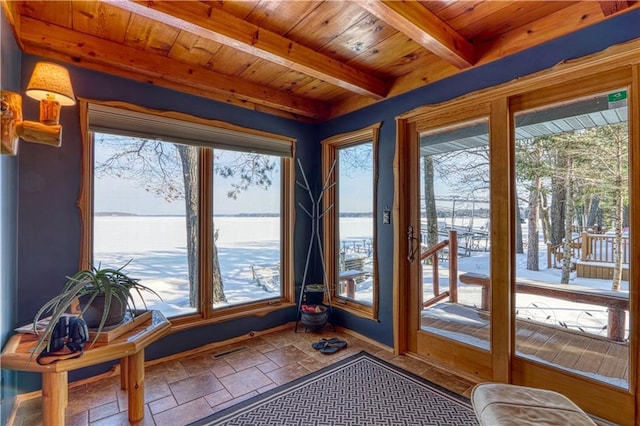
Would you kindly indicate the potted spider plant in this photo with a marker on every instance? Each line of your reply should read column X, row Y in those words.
column 103, row 295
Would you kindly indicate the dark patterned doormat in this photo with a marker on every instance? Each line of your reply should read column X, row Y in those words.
column 359, row 390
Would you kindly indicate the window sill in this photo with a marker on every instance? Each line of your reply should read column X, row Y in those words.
column 187, row 323
column 361, row 311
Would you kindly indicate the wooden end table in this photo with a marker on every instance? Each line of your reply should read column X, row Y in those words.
column 128, row 348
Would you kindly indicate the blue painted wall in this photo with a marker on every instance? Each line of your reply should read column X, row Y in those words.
column 10, row 57
column 49, row 178
column 49, row 185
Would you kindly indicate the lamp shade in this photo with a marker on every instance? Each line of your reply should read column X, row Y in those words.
column 51, row 81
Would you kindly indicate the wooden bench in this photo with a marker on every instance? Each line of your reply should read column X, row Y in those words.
column 617, row 303
column 350, row 278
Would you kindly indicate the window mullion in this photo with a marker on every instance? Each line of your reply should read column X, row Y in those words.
column 205, row 222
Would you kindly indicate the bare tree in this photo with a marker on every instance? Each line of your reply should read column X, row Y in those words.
column 531, row 170
column 430, row 201
column 467, row 170
column 567, row 248
column 557, row 209
column 533, row 232
column 611, row 167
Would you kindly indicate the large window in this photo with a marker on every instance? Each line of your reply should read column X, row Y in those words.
column 247, row 226
column 350, row 173
column 142, row 217
column 201, row 215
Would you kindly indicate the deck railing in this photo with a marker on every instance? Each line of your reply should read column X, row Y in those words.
column 590, row 248
column 617, row 304
column 433, row 254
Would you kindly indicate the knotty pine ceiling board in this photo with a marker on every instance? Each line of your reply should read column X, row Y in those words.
column 290, row 81
column 280, row 16
column 379, row 58
column 471, row 20
column 320, row 91
column 436, row 6
column 59, row 13
column 161, row 39
column 491, row 27
column 412, row 61
column 262, row 72
column 361, row 37
column 230, row 61
column 146, row 34
column 190, row 48
column 241, row 9
column 573, row 18
column 325, row 23
column 100, row 19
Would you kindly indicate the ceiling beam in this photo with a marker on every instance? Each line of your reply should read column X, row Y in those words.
column 569, row 19
column 216, row 25
column 425, row 28
column 139, row 65
column 609, row 7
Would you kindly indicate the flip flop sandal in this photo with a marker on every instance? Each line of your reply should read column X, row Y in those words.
column 323, row 342
column 328, row 349
column 340, row 344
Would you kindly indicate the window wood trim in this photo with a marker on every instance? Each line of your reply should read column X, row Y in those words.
column 619, row 56
column 85, row 198
column 331, row 244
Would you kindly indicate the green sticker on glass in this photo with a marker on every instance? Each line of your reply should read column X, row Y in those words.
column 617, row 99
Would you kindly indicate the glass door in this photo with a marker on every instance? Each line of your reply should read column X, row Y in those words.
column 572, row 250
column 453, row 242
column 449, row 239
column 516, row 252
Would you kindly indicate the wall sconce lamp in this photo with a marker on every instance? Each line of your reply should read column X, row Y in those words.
column 49, row 84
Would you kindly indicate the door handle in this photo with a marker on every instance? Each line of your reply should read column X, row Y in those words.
column 411, row 249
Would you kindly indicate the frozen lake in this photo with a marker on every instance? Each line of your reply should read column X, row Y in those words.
column 157, row 245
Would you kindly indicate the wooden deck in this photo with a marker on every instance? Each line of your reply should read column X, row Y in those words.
column 593, row 356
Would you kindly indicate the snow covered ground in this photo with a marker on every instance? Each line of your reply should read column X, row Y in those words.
column 157, row 247
column 158, row 250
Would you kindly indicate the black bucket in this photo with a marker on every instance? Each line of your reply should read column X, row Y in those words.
column 315, row 320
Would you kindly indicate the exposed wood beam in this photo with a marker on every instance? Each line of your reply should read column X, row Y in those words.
column 609, row 7
column 213, row 24
column 134, row 63
column 417, row 22
column 565, row 21
column 574, row 17
column 36, row 50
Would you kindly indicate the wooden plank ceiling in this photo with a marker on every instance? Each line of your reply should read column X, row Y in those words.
column 309, row 60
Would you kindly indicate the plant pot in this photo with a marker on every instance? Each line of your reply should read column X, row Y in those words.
column 93, row 314
column 315, row 320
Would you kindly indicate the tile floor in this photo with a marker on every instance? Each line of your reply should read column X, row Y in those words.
column 183, row 390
